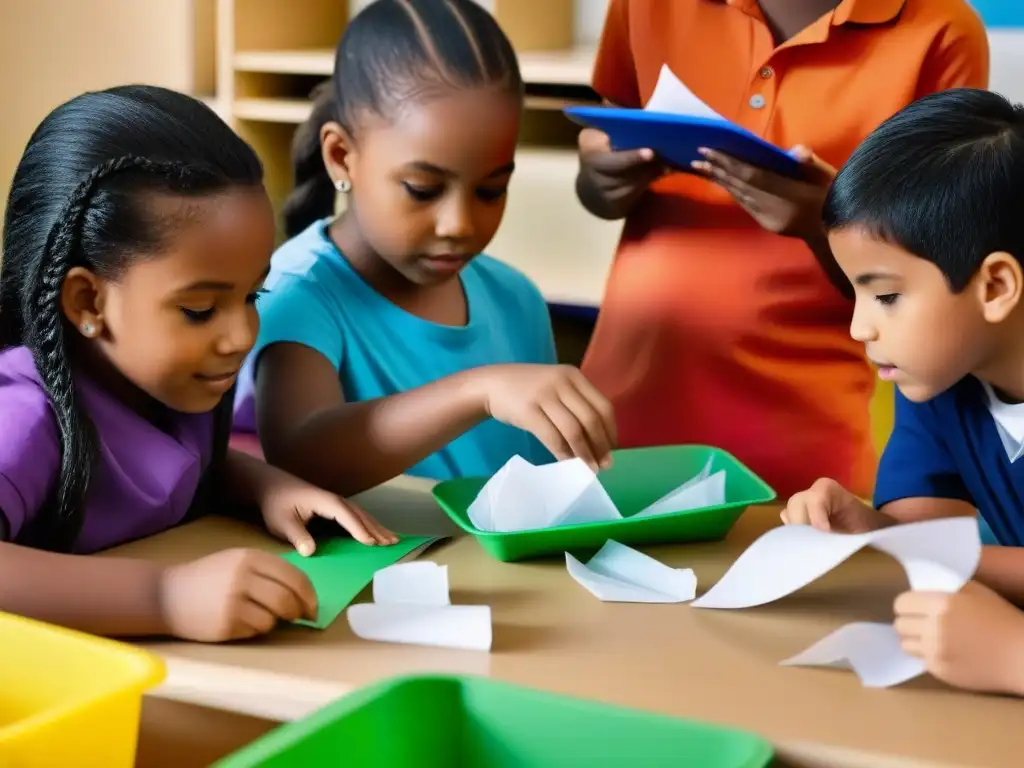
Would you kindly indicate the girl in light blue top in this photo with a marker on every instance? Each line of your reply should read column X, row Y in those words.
column 388, row 345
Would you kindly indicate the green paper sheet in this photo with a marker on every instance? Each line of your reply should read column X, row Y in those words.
column 341, row 568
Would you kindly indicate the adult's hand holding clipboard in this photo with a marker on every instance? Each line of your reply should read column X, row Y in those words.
column 782, row 190
column 675, row 124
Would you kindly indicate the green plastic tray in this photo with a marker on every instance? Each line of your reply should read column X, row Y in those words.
column 638, row 477
column 451, row 722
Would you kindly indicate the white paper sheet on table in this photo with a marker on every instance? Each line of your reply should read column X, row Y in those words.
column 937, row 556
column 620, row 574
column 521, row 496
column 871, row 650
column 412, row 605
column 672, row 96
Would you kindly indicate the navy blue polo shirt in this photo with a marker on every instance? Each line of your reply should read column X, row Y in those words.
column 950, row 448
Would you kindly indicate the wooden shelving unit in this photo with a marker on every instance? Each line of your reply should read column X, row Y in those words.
column 256, row 62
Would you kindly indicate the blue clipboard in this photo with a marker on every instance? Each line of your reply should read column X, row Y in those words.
column 676, row 138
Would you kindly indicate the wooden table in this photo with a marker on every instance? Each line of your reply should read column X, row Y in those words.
column 549, row 633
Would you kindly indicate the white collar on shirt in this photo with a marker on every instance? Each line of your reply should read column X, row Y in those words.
column 1009, row 419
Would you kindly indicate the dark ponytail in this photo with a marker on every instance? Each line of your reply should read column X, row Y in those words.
column 76, row 201
column 313, row 195
column 393, row 51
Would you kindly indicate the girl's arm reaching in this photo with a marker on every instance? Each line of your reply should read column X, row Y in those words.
column 230, row 595
column 306, row 426
column 100, row 595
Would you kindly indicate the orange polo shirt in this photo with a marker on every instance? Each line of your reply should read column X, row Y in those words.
column 717, row 332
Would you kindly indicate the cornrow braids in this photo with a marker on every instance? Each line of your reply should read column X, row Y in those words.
column 45, row 337
column 76, row 200
column 391, row 52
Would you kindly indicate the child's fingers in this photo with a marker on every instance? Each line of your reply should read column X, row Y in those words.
column 796, row 512
column 920, row 604
column 383, row 535
column 277, row 600
column 572, row 431
column 293, row 530
column 588, row 417
column 290, row 578
column 912, row 645
column 601, row 405
column 910, row 627
column 539, row 424
column 343, row 515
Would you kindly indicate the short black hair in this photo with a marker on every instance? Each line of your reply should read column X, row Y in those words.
column 943, row 179
column 393, row 51
column 79, row 199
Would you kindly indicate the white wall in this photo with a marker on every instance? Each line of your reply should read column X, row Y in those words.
column 1007, row 50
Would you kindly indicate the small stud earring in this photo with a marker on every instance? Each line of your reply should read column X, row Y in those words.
column 88, row 329
column 344, row 186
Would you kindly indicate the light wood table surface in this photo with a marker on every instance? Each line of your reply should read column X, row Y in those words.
column 549, row 633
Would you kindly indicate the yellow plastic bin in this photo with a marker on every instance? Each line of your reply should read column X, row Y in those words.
column 68, row 698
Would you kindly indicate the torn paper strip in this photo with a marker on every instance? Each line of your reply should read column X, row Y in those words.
column 464, row 627
column 620, row 574
column 936, row 554
column 871, row 650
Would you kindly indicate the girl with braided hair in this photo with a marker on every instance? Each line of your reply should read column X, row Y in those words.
column 136, row 238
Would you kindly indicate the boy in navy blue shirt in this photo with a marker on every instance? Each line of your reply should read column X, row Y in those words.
column 926, row 219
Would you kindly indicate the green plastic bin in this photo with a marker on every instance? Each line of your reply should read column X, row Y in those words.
column 638, row 477
column 452, row 722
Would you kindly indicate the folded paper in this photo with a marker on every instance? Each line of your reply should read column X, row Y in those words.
column 620, row 574
column 522, row 496
column 412, row 605
column 871, row 650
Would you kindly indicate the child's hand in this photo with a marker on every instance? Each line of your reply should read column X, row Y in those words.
column 557, row 404
column 829, row 507
column 288, row 504
column 233, row 595
column 779, row 204
column 616, row 176
column 972, row 639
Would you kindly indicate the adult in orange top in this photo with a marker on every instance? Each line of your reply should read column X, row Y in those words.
column 724, row 321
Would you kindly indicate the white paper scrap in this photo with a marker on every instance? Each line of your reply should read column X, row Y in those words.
column 671, row 96
column 936, row 555
column 871, row 650
column 419, row 582
column 412, row 605
column 464, row 627
column 620, row 574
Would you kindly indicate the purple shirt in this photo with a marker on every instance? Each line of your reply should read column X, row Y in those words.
column 145, row 479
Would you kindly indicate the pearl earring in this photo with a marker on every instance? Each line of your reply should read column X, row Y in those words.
column 87, row 329
column 343, row 185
